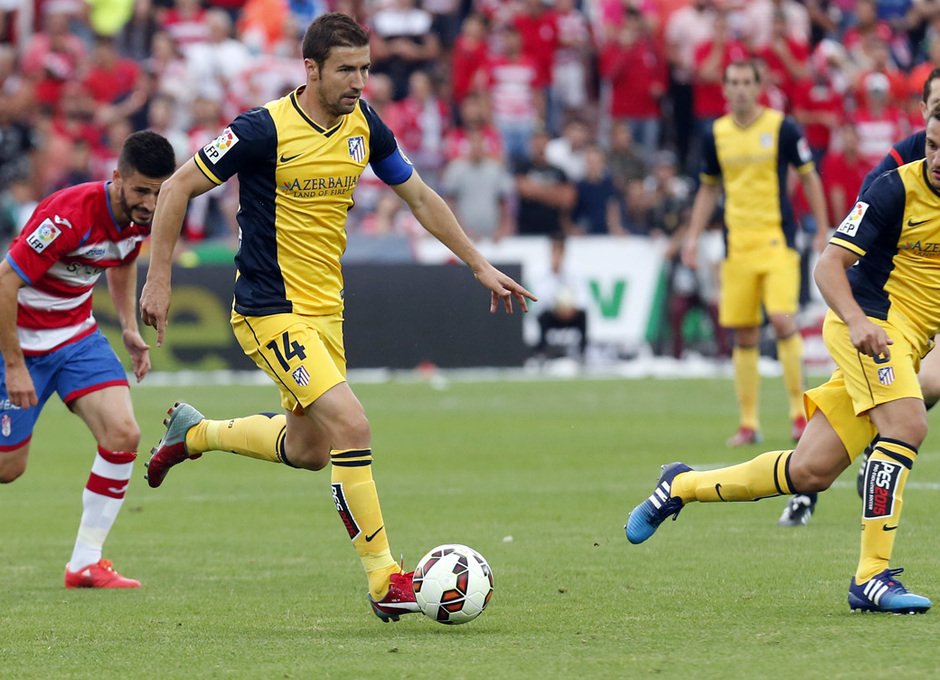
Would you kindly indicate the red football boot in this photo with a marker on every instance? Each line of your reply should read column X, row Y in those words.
column 98, row 575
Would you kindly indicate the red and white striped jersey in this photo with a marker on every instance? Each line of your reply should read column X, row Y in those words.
column 63, row 249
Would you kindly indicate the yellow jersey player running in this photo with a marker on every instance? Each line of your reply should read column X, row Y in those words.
column 298, row 160
column 880, row 276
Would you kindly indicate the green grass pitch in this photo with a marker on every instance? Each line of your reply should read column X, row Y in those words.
column 248, row 573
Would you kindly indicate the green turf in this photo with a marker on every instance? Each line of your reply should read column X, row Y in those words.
column 248, row 573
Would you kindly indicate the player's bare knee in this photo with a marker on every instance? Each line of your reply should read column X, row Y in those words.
column 807, row 478
column 911, row 431
column 314, row 461
column 353, row 432
column 784, row 326
column 123, row 436
column 815, row 484
column 306, row 456
column 11, row 468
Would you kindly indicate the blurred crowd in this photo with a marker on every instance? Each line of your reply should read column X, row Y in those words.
column 529, row 116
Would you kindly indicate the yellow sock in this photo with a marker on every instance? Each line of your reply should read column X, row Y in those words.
column 747, row 384
column 259, row 436
column 885, row 476
column 358, row 505
column 760, row 477
column 790, row 354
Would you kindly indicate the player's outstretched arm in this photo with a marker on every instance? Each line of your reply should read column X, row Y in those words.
column 186, row 183
column 20, row 389
column 432, row 212
column 122, row 285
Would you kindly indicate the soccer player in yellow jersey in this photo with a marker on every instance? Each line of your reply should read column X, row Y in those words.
column 298, row 160
column 880, row 276
column 749, row 152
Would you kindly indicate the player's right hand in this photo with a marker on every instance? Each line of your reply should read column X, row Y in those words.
column 155, row 307
column 503, row 287
column 870, row 339
column 20, row 389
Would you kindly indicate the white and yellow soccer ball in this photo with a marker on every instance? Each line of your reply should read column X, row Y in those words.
column 453, row 584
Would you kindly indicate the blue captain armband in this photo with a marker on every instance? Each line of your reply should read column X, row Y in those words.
column 394, row 168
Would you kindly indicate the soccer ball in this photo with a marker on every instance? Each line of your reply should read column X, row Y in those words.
column 453, row 584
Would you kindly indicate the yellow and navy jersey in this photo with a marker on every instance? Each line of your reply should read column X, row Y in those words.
column 752, row 164
column 296, row 182
column 895, row 229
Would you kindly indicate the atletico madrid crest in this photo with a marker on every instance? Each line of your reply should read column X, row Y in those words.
column 357, row 149
column 301, row 376
column 886, row 375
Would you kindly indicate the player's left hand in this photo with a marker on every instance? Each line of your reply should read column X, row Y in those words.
column 139, row 352
column 503, row 286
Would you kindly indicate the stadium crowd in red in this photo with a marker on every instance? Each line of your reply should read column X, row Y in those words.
column 529, row 116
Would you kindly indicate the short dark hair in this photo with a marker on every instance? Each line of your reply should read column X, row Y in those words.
column 148, row 153
column 333, row 29
column 934, row 75
column 743, row 63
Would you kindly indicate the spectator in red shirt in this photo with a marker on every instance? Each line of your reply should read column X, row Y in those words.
column 818, row 108
column 786, row 59
column 842, row 174
column 468, row 56
column 636, row 70
column 915, row 85
column 571, row 71
column 881, row 63
column 536, row 26
column 516, row 102
column 539, row 34
column 474, row 117
column 73, row 122
column 867, row 26
column 53, row 57
column 186, row 23
column 711, row 59
column 110, row 77
column 419, row 121
column 879, row 122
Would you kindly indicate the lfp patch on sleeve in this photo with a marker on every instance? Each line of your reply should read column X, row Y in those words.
column 220, row 146
column 850, row 224
column 802, row 148
column 43, row 235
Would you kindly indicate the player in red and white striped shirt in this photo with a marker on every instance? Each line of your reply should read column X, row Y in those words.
column 50, row 342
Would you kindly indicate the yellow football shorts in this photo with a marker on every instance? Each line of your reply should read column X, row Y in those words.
column 861, row 382
column 768, row 277
column 303, row 355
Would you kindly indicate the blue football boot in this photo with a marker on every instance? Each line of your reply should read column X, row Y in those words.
column 884, row 593
column 648, row 515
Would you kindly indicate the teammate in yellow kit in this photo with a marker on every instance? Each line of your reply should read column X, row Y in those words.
column 298, row 160
column 884, row 313
column 749, row 152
